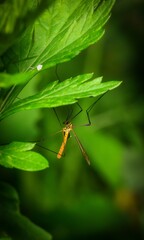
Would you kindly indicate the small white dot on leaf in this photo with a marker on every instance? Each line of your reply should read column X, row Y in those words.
column 39, row 67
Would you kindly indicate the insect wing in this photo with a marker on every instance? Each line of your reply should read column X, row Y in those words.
column 81, row 148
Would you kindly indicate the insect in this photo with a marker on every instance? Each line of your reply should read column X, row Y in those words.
column 66, row 134
column 68, row 128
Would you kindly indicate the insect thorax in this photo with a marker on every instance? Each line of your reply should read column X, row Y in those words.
column 68, row 127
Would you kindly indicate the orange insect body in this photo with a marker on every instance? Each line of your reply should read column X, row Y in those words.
column 66, row 131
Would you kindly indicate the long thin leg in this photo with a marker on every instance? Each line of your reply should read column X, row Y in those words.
column 47, row 149
column 69, row 114
column 69, row 118
column 56, row 73
column 57, row 116
column 77, row 112
column 91, row 107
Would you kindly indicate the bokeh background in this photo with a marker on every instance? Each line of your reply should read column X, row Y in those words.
column 71, row 199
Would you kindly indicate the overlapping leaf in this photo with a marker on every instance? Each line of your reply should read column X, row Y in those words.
column 64, row 30
column 19, row 155
column 64, row 93
column 15, row 16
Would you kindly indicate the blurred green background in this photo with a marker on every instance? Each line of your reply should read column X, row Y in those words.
column 70, row 199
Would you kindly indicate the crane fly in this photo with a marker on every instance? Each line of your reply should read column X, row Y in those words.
column 66, row 134
column 69, row 128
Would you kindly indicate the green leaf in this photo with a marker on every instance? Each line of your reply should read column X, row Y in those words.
column 7, row 80
column 8, row 197
column 18, row 155
column 15, row 16
column 64, row 30
column 63, row 93
column 12, row 222
column 20, row 227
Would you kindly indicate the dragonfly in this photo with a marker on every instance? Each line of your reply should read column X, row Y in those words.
column 68, row 128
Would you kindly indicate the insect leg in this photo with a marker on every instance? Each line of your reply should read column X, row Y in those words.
column 78, row 111
column 91, row 107
column 57, row 116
